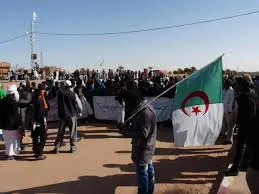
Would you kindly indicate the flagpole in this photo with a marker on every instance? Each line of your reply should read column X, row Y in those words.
column 167, row 90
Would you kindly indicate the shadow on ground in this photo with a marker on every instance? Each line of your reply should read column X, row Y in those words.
column 192, row 167
column 180, row 151
column 167, row 171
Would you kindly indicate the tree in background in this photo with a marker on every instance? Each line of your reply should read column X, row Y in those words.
column 187, row 70
column 180, row 71
column 193, row 69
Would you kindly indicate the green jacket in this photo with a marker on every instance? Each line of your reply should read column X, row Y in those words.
column 2, row 93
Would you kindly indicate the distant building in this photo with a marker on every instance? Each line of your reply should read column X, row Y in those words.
column 4, row 68
column 49, row 70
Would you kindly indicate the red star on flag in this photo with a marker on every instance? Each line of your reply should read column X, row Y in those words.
column 196, row 110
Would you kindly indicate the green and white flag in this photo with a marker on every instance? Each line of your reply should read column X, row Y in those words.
column 198, row 108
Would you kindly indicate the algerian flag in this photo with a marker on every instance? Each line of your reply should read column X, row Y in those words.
column 198, row 108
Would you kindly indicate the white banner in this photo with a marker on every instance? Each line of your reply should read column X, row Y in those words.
column 53, row 112
column 107, row 108
column 163, row 107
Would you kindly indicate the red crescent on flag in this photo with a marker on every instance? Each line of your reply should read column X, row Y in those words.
column 200, row 94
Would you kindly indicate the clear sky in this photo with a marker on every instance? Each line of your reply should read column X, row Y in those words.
column 167, row 49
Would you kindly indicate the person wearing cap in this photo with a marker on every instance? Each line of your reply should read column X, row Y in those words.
column 228, row 101
column 246, row 100
column 142, row 129
column 69, row 106
column 10, row 122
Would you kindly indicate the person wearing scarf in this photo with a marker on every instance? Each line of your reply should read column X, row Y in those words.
column 38, row 112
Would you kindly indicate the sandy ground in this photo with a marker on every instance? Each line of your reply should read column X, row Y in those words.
column 102, row 165
column 239, row 185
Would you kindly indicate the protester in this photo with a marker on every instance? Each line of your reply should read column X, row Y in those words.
column 252, row 175
column 55, row 90
column 228, row 102
column 25, row 96
column 86, row 107
column 38, row 111
column 143, row 131
column 69, row 106
column 10, row 122
column 246, row 100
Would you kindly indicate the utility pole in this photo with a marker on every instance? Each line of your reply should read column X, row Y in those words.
column 32, row 40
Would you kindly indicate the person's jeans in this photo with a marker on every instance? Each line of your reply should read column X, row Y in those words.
column 146, row 178
column 71, row 123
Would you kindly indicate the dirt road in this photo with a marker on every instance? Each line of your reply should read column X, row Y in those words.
column 102, row 165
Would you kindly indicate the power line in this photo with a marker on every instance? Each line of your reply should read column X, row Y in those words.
column 151, row 29
column 12, row 39
column 136, row 31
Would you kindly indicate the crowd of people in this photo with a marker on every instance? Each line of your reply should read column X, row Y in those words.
column 28, row 105
column 26, row 108
column 241, row 111
column 110, row 82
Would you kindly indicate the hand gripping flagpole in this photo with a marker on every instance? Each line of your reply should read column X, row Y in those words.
column 167, row 90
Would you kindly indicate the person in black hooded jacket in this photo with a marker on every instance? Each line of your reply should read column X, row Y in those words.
column 246, row 100
column 252, row 174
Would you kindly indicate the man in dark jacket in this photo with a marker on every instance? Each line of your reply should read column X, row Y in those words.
column 143, row 131
column 252, row 174
column 38, row 118
column 246, row 101
column 69, row 106
column 24, row 101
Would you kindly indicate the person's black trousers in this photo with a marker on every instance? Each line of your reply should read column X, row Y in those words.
column 39, row 138
column 241, row 149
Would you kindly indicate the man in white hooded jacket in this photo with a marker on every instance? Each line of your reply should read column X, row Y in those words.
column 10, row 122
